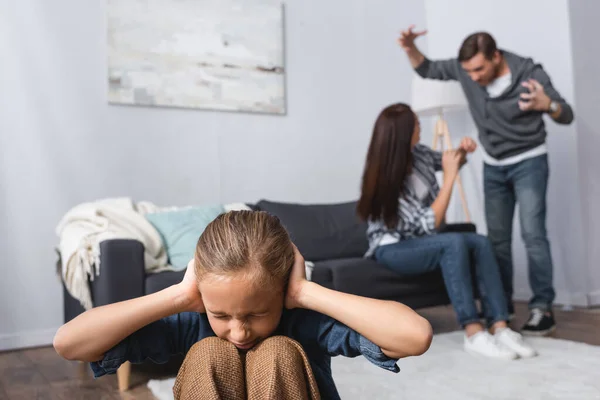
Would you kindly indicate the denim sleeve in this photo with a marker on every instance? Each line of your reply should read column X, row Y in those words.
column 157, row 342
column 337, row 339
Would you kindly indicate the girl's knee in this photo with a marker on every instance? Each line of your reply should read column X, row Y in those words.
column 279, row 344
column 211, row 348
column 277, row 349
column 281, row 362
column 212, row 369
column 207, row 356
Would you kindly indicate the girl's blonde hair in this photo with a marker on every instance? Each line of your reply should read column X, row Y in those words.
column 253, row 243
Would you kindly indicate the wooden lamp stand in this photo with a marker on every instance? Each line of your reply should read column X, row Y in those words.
column 442, row 133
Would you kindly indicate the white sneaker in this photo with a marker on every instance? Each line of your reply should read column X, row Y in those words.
column 484, row 344
column 515, row 342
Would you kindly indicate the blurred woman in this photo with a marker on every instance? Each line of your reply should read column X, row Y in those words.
column 405, row 207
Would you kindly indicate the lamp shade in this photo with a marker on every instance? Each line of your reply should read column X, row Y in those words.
column 432, row 97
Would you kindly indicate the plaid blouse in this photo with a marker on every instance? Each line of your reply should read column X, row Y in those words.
column 416, row 215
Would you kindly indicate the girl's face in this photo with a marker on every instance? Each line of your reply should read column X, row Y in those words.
column 239, row 310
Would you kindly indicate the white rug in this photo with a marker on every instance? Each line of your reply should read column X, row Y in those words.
column 563, row 370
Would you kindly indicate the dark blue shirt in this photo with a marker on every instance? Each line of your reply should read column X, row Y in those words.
column 321, row 338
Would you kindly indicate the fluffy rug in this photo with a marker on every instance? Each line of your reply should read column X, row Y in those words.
column 563, row 370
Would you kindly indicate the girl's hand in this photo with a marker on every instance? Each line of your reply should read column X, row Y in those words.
column 297, row 283
column 468, row 144
column 191, row 296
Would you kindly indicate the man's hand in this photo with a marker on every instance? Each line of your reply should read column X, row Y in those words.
column 190, row 293
column 536, row 99
column 407, row 38
column 468, row 144
column 297, row 282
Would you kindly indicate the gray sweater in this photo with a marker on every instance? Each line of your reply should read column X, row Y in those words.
column 504, row 130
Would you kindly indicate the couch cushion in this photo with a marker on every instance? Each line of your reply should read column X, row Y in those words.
column 322, row 231
column 162, row 280
column 180, row 229
column 365, row 277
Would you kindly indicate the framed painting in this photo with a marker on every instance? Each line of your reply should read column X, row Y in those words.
column 201, row 54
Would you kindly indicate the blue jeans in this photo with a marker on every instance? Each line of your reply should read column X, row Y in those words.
column 525, row 184
column 452, row 252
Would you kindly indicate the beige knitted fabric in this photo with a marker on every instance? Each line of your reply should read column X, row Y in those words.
column 276, row 368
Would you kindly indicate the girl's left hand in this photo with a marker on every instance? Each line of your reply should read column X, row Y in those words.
column 468, row 144
column 190, row 293
column 297, row 282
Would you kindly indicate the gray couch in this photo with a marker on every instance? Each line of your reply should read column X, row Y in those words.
column 330, row 235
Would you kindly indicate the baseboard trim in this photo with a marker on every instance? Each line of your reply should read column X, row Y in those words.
column 562, row 298
column 22, row 340
column 594, row 298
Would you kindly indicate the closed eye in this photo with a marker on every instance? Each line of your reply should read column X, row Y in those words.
column 225, row 316
column 259, row 315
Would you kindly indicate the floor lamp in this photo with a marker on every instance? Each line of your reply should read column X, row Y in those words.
column 435, row 98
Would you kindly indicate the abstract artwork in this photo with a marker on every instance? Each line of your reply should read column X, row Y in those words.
column 206, row 54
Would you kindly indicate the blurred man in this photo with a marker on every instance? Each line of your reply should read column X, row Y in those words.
column 508, row 95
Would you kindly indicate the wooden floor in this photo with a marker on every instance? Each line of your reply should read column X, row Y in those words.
column 41, row 374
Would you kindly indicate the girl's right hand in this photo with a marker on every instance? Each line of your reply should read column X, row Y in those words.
column 451, row 163
column 192, row 298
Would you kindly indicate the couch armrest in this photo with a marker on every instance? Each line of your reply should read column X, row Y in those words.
column 459, row 227
column 122, row 272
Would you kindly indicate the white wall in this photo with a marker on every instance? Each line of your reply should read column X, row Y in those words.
column 542, row 32
column 61, row 144
column 586, row 64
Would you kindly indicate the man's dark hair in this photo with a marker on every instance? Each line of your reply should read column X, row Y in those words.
column 478, row 42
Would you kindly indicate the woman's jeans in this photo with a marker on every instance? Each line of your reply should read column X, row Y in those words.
column 453, row 252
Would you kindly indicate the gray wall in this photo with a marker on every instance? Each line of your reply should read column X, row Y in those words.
column 61, row 144
column 585, row 31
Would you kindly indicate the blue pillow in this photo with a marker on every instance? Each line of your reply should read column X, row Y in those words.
column 180, row 230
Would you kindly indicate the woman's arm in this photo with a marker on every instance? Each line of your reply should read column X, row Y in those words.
column 441, row 202
column 395, row 328
column 90, row 335
column 451, row 162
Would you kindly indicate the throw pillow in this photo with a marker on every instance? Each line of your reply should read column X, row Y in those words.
column 180, row 230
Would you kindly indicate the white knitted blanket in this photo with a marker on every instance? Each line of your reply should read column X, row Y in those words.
column 83, row 228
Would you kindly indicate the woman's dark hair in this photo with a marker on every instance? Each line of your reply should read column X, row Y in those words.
column 478, row 42
column 389, row 161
